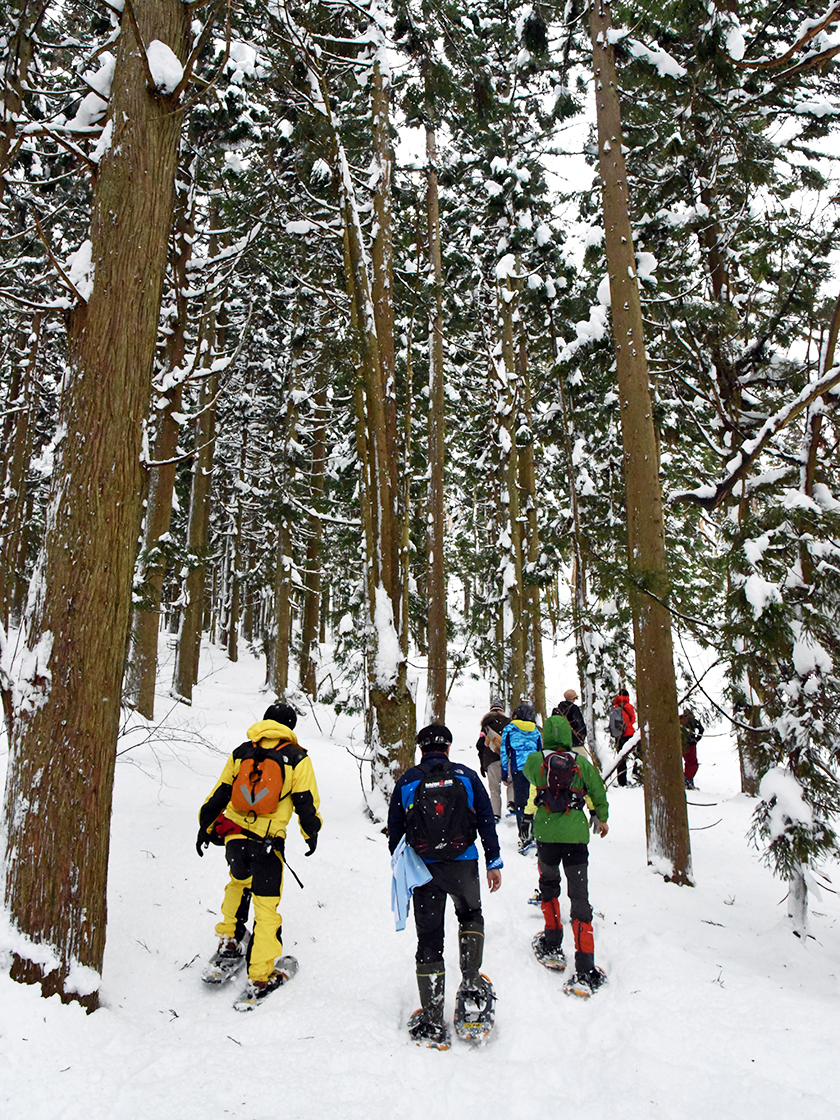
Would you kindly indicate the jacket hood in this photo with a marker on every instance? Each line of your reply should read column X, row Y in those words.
column 272, row 731
column 557, row 734
column 524, row 724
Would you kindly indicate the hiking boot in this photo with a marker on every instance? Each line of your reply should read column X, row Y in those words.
column 256, row 990
column 229, row 947
column 549, row 955
column 425, row 1031
column 476, row 995
column 225, row 962
column 585, row 983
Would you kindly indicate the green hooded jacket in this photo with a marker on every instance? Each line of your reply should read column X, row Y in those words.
column 571, row 827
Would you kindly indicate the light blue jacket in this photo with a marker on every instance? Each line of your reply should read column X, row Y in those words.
column 519, row 739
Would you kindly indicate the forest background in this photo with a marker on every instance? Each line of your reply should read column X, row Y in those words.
column 263, row 381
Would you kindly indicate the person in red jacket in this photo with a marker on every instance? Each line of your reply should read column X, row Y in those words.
column 628, row 715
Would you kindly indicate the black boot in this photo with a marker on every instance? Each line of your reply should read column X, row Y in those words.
column 471, row 952
column 475, row 998
column 427, row 1025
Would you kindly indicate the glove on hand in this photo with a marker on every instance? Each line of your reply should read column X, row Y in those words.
column 202, row 841
column 311, row 844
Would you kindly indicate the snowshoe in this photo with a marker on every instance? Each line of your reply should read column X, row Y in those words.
column 535, row 899
column 225, row 962
column 256, row 990
column 475, row 1010
column 526, row 845
column 550, row 956
column 583, row 984
column 427, row 1033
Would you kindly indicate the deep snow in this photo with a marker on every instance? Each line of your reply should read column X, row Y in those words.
column 713, row 1007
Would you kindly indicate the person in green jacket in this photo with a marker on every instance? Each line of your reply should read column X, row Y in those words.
column 563, row 837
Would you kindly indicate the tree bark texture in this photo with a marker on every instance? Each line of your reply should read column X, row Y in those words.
column 16, row 441
column 63, row 740
column 435, row 508
column 666, row 814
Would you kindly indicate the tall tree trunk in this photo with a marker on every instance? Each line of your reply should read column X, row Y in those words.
column 310, row 620
column 515, row 627
column 145, row 628
column 282, row 624
column 649, row 585
column 584, row 654
column 213, row 337
column 16, row 441
column 185, row 674
column 370, row 289
column 66, row 717
column 22, row 18
column 534, row 663
column 435, row 517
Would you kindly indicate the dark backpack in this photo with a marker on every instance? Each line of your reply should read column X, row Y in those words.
column 559, row 770
column 258, row 787
column 616, row 723
column 440, row 822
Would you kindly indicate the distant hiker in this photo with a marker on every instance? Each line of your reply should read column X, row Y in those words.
column 568, row 708
column 262, row 783
column 622, row 728
column 488, row 746
column 519, row 738
column 441, row 807
column 563, row 779
column 691, row 730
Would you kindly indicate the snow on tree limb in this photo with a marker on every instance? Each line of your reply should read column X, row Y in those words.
column 710, row 497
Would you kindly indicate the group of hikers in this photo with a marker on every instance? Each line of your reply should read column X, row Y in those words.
column 438, row 812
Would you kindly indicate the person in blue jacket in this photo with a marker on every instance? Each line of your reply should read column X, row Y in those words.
column 455, row 875
column 519, row 739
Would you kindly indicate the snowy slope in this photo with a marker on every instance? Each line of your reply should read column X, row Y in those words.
column 713, row 1008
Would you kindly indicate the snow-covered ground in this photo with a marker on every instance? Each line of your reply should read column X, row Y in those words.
column 713, row 1008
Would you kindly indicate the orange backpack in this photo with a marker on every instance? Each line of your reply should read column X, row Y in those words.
column 258, row 787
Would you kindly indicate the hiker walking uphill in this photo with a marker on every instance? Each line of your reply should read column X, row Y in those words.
column 519, row 738
column 691, row 730
column 563, row 779
column 622, row 728
column 441, row 808
column 569, row 709
column 263, row 782
column 488, row 746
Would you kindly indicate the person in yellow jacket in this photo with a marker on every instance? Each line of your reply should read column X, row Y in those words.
column 263, row 782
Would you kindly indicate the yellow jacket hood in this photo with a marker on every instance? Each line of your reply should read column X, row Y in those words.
column 271, row 731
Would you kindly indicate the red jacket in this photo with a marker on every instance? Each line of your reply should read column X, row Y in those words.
column 628, row 713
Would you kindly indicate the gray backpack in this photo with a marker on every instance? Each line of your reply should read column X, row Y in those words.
column 616, row 723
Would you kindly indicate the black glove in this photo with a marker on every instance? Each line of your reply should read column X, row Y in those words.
column 202, row 841
column 311, row 844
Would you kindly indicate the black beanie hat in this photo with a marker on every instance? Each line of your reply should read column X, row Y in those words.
column 434, row 737
column 282, row 713
column 526, row 712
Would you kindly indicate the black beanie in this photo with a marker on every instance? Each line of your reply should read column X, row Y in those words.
column 434, row 737
column 282, row 713
column 526, row 712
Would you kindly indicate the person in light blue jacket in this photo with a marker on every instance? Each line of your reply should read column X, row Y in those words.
column 519, row 739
